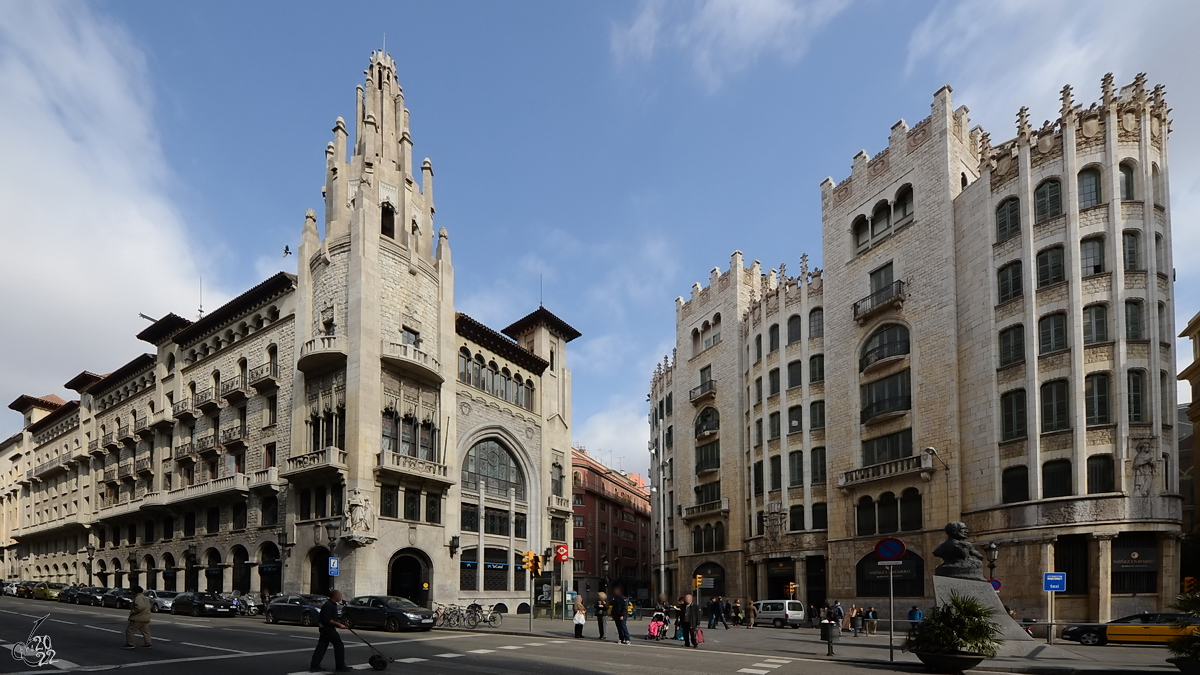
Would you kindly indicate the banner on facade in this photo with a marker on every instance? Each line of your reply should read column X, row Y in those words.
column 1135, row 559
column 905, row 571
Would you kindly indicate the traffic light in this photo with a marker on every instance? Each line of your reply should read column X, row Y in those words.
column 697, row 581
column 537, row 565
column 527, row 561
column 791, row 588
column 1189, row 584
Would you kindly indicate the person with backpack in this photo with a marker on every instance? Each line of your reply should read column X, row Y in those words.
column 836, row 613
column 620, row 615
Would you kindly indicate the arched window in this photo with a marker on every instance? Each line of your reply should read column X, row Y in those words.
column 862, row 231
column 1089, row 188
column 1101, row 476
column 492, row 462
column 773, row 337
column 1056, row 407
column 902, row 210
column 1156, row 181
column 1056, row 478
column 816, row 415
column 889, row 513
column 817, row 469
column 1012, row 345
column 887, row 340
column 1052, row 333
column 1050, row 268
column 708, row 538
column 864, row 516
column 719, row 537
column 816, row 323
column 1131, row 248
column 796, row 518
column 696, row 348
column 1127, row 189
column 387, row 221
column 793, row 328
column 1047, row 200
column 1008, row 219
column 1091, row 255
column 1008, row 281
column 1137, row 396
column 708, row 420
column 1014, row 484
column 816, row 368
column 697, row 540
column 881, row 219
column 1133, row 320
column 758, row 353
column 911, row 511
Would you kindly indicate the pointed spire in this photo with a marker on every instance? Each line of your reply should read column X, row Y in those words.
column 1068, row 102
column 1108, row 90
column 985, row 151
column 1023, row 128
column 1139, row 89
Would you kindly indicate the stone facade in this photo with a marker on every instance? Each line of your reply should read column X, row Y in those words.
column 986, row 325
column 346, row 411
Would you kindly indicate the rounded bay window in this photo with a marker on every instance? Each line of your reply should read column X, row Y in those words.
column 887, row 341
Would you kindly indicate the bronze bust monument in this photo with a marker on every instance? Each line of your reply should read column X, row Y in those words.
column 960, row 560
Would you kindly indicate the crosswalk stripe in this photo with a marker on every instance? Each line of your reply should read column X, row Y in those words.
column 560, row 642
column 411, row 659
column 779, row 661
column 360, row 666
column 512, row 647
column 754, row 671
column 535, row 644
column 63, row 665
column 767, row 665
column 481, row 651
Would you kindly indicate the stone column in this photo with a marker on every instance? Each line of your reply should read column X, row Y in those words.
column 1168, row 569
column 1101, row 582
column 255, row 581
column 801, row 574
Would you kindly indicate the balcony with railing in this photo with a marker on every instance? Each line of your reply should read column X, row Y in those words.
column 94, row 448
column 206, row 444
column 69, row 521
column 563, row 504
column 883, row 352
column 706, row 390
column 266, row 478
column 162, row 420
column 141, row 426
column 184, row 451
column 125, row 469
column 52, row 466
column 206, row 401
column 234, row 390
column 885, row 407
column 109, row 441
column 707, row 428
column 321, row 352
column 235, row 437
column 143, row 465
column 183, row 410
column 233, row 483
column 326, row 459
column 110, row 475
column 124, row 507
column 411, row 361
column 916, row 464
column 125, row 434
column 265, row 377
column 880, row 300
column 402, row 465
column 708, row 508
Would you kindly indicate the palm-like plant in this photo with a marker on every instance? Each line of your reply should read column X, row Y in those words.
column 1186, row 646
column 962, row 626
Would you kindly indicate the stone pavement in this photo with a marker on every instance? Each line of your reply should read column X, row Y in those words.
column 1061, row 658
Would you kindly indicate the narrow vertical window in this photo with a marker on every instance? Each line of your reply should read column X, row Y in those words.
column 1096, row 398
column 1047, row 200
column 1126, row 181
column 1131, row 249
column 1133, row 320
column 1012, row 409
column 1095, row 324
column 1089, row 188
column 1050, row 266
column 1008, row 219
column 1091, row 256
column 1012, row 345
column 816, row 323
column 1008, row 281
column 1055, row 406
column 1136, row 393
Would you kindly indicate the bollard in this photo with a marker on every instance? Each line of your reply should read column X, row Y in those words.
column 830, row 632
column 856, row 625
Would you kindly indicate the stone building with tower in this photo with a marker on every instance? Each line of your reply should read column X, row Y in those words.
column 990, row 341
column 347, row 410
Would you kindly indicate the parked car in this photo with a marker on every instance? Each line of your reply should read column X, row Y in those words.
column 67, row 593
column 118, row 598
column 25, row 589
column 302, row 609
column 160, row 601
column 9, row 588
column 202, row 604
column 389, row 612
column 1145, row 628
column 47, row 590
column 780, row 613
column 90, row 595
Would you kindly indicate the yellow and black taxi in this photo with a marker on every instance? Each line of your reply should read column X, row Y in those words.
column 1147, row 628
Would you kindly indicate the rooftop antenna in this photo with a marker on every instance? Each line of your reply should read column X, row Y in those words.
column 385, row 43
column 148, row 318
column 200, row 312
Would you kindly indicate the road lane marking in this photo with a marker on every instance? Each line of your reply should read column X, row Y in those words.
column 243, row 630
column 61, row 621
column 782, row 662
column 8, row 611
column 512, row 647
column 63, row 665
column 361, row 666
column 449, row 655
column 107, row 630
column 32, row 616
column 481, row 651
column 220, row 649
column 753, row 671
column 535, row 644
column 411, row 659
column 560, row 642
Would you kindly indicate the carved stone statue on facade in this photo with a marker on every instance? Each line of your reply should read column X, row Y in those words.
column 362, row 516
column 960, row 560
column 1144, row 468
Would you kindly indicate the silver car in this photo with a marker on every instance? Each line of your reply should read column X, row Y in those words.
column 160, row 601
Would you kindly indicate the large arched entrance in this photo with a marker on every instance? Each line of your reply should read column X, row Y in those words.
column 213, row 572
column 270, row 570
column 715, row 572
column 410, row 575
column 241, row 568
column 318, row 572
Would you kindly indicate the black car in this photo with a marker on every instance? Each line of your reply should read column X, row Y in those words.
column 66, row 594
column 302, row 609
column 389, row 612
column 25, row 589
column 202, row 604
column 118, row 598
column 90, row 595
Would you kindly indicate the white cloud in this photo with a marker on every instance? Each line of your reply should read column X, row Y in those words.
column 617, row 435
column 723, row 37
column 91, row 236
column 1002, row 55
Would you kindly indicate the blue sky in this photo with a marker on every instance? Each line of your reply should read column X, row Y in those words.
column 616, row 150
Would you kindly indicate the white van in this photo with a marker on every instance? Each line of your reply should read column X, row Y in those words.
column 780, row 613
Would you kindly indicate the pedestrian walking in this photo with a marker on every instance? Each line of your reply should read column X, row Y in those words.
column 601, row 608
column 139, row 620
column 751, row 614
column 813, row 617
column 265, row 596
column 848, row 621
column 872, row 618
column 915, row 615
column 330, row 622
column 689, row 621
column 736, row 613
column 580, row 616
column 836, row 613
column 717, row 613
column 620, row 615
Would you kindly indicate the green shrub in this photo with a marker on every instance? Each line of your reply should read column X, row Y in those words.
column 962, row 626
column 1186, row 646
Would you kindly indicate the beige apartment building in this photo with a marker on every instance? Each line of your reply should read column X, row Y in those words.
column 990, row 341
column 345, row 411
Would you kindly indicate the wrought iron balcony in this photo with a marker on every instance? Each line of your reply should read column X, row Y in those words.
column 892, row 294
column 206, row 401
column 916, row 464
column 884, row 406
column 408, row 466
column 94, row 447
column 719, row 506
column 141, row 425
column 110, row 475
column 234, row 390
column 235, row 437
column 143, row 465
column 125, row 434
column 707, row 389
column 206, row 444
column 883, row 351
column 410, row 360
column 321, row 352
column 328, row 458
column 183, row 451
column 183, row 410
column 264, row 377
column 125, row 469
column 707, row 427
column 109, row 440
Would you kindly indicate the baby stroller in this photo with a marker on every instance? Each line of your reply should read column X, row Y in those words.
column 659, row 623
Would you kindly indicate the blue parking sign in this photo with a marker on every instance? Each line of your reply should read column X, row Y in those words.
column 333, row 567
column 1054, row 582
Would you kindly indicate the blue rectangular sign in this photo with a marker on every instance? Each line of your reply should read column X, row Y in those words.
column 333, row 567
column 1054, row 581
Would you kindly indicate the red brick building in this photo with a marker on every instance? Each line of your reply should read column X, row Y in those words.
column 612, row 525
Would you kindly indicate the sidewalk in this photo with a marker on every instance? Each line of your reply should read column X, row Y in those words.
column 1056, row 659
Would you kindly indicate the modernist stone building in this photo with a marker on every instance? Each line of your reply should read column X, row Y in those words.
column 347, row 410
column 990, row 341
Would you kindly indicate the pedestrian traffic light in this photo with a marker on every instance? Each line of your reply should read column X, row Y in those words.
column 697, row 581
column 1189, row 584
column 527, row 561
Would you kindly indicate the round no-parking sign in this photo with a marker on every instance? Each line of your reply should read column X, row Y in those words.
column 890, row 549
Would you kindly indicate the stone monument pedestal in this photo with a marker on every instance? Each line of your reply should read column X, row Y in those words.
column 1016, row 642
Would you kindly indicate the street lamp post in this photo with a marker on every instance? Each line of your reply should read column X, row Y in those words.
column 333, row 529
column 91, row 549
column 993, row 554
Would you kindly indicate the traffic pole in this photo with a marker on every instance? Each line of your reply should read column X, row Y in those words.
column 891, row 615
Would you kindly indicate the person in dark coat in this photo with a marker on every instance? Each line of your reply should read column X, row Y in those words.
column 601, row 608
column 689, row 620
column 330, row 621
column 620, row 615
